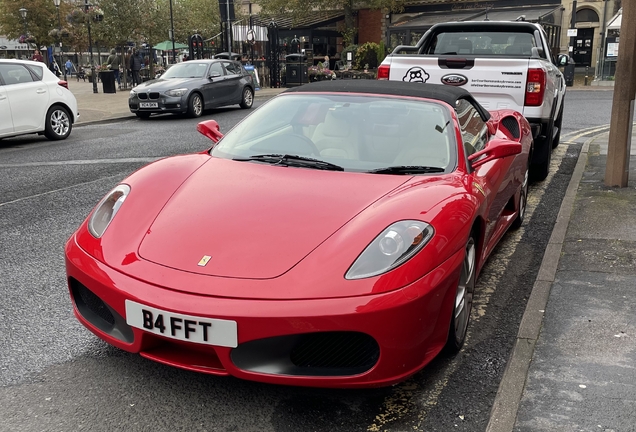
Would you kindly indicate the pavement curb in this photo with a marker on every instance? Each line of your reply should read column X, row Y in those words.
column 506, row 405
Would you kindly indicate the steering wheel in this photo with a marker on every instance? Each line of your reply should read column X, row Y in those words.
column 303, row 141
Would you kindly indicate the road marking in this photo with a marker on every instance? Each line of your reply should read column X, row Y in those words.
column 402, row 399
column 79, row 162
column 59, row 190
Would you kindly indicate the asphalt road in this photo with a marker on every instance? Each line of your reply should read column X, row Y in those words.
column 57, row 376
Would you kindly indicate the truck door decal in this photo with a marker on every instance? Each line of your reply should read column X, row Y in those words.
column 416, row 74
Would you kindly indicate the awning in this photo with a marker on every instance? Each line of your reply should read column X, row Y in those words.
column 313, row 20
column 430, row 18
column 615, row 22
column 532, row 14
column 529, row 13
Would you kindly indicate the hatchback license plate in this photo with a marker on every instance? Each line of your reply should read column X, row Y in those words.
column 185, row 328
column 148, row 105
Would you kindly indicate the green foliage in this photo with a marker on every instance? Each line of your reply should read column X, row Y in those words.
column 367, row 56
column 381, row 52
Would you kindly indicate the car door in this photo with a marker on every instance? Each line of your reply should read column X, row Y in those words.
column 28, row 97
column 6, row 120
column 233, row 78
column 493, row 179
column 215, row 92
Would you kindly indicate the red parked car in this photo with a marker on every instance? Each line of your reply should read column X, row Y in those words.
column 330, row 239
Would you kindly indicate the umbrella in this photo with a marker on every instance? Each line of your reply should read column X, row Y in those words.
column 167, row 46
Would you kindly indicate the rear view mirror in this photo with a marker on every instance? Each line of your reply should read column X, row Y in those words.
column 214, row 75
column 496, row 149
column 210, row 128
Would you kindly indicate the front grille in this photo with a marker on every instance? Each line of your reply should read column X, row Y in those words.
column 335, row 350
column 94, row 310
column 153, row 95
column 85, row 298
column 309, row 354
column 511, row 124
column 142, row 96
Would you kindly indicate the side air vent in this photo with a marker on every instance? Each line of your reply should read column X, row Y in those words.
column 512, row 126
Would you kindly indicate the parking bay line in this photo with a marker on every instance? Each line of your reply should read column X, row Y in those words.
column 79, row 162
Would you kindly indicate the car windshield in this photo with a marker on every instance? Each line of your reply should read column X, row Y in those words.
column 186, row 70
column 353, row 132
column 483, row 43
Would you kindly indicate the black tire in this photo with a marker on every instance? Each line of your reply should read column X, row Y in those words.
column 195, row 105
column 58, row 123
column 523, row 202
column 557, row 124
column 540, row 170
column 247, row 99
column 463, row 301
column 142, row 114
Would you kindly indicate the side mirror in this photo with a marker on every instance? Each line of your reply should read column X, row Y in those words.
column 214, row 75
column 563, row 60
column 210, row 128
column 495, row 150
column 492, row 129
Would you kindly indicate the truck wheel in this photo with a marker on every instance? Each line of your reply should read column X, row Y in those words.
column 541, row 159
column 558, row 123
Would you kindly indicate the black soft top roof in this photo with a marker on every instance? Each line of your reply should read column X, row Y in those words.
column 448, row 94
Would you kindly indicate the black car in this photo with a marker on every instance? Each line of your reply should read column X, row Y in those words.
column 192, row 86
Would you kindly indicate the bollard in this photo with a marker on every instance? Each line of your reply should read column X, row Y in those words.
column 587, row 70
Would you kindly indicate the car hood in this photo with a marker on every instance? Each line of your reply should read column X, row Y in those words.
column 249, row 220
column 165, row 84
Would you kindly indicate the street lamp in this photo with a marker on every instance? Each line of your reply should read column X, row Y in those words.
column 59, row 35
column 90, row 47
column 23, row 14
column 174, row 58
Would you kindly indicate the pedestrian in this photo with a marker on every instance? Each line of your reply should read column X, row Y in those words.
column 69, row 67
column 114, row 61
column 37, row 56
column 185, row 57
column 135, row 67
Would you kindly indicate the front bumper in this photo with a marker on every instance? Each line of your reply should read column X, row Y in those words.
column 164, row 103
column 363, row 341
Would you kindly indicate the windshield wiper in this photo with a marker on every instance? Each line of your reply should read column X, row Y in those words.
column 293, row 160
column 405, row 169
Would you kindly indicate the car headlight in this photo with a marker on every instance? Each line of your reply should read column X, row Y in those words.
column 394, row 246
column 133, row 92
column 177, row 92
column 107, row 209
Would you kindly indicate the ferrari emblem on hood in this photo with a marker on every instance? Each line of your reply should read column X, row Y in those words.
column 204, row 260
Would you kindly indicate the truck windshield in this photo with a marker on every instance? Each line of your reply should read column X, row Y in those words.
column 482, row 43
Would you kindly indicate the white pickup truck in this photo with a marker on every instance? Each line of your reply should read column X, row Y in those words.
column 503, row 64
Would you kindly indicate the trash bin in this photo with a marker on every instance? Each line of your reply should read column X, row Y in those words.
column 296, row 70
column 108, row 81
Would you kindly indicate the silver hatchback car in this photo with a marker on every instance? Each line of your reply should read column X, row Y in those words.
column 192, row 86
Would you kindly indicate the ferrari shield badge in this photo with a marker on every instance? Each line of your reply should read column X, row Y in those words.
column 204, row 260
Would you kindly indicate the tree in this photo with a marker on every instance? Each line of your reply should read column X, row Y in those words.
column 41, row 19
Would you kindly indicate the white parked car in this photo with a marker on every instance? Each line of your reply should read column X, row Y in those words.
column 34, row 100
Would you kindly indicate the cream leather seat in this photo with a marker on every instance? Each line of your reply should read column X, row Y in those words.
column 336, row 137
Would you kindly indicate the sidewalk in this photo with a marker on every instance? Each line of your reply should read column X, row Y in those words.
column 110, row 106
column 573, row 365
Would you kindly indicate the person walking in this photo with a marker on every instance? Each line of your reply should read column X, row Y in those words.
column 114, row 61
column 135, row 67
column 69, row 67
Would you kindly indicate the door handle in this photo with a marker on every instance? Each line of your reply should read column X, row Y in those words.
column 2, row 97
column 40, row 91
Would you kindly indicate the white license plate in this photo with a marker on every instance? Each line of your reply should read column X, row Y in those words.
column 148, row 104
column 186, row 328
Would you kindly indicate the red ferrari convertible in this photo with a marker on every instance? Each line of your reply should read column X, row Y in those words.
column 331, row 239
